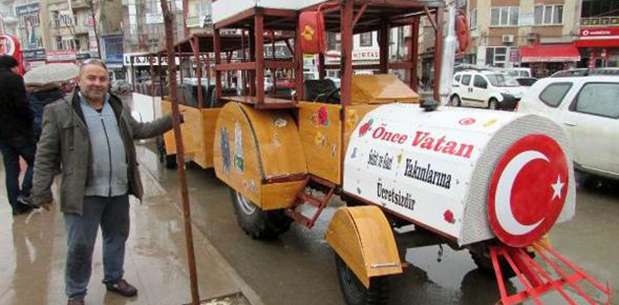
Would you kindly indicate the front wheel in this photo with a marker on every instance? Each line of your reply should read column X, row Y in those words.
column 353, row 290
column 493, row 104
column 455, row 101
column 257, row 223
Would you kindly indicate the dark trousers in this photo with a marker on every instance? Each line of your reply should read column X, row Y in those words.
column 112, row 214
column 12, row 149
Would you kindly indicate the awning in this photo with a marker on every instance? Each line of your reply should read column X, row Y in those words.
column 550, row 53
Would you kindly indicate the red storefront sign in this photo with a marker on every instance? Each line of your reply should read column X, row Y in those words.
column 598, row 37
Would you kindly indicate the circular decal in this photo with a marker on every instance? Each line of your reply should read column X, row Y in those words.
column 7, row 45
column 467, row 121
column 527, row 190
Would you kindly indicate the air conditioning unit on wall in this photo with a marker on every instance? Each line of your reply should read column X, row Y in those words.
column 507, row 38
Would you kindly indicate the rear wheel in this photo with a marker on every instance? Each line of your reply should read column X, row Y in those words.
column 257, row 223
column 455, row 101
column 493, row 104
column 169, row 161
column 353, row 290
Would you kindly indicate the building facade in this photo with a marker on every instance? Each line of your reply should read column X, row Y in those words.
column 598, row 37
column 524, row 33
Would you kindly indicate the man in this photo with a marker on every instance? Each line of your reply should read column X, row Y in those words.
column 89, row 135
column 16, row 138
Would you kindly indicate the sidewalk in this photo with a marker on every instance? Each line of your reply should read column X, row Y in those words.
column 33, row 254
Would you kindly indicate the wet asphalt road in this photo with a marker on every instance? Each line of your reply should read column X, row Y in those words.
column 299, row 269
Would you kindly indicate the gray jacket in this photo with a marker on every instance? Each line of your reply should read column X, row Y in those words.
column 64, row 147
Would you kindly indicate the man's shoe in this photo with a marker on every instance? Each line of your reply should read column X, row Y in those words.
column 21, row 209
column 123, row 288
column 75, row 302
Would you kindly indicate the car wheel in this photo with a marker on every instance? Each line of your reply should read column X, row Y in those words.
column 257, row 223
column 455, row 101
column 493, row 104
column 353, row 290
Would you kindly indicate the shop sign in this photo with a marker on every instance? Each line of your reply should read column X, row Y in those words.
column 62, row 55
column 35, row 54
column 599, row 33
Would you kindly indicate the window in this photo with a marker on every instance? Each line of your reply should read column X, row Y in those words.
column 597, row 8
column 598, row 99
column 496, row 56
column 466, row 79
column 480, row 82
column 548, row 14
column 473, row 19
column 365, row 39
column 504, row 16
column 457, row 78
column 553, row 94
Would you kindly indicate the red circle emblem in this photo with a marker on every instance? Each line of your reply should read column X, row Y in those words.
column 527, row 190
column 467, row 121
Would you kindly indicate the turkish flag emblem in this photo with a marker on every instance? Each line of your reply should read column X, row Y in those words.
column 527, row 190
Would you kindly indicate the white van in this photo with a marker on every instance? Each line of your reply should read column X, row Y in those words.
column 486, row 89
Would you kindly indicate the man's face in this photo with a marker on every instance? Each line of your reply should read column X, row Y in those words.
column 94, row 82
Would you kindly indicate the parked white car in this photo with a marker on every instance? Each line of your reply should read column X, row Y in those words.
column 588, row 109
column 485, row 88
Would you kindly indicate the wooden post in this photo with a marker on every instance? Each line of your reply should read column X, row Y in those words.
column 161, row 75
column 244, row 74
column 152, row 76
column 259, row 38
column 298, row 67
column 322, row 72
column 438, row 51
column 180, row 153
column 413, row 53
column 251, row 78
column 132, row 73
column 195, row 46
column 383, row 43
column 346, row 59
column 217, row 50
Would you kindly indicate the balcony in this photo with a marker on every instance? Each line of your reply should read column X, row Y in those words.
column 600, row 21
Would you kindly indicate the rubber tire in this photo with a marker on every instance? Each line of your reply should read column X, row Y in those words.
column 170, row 161
column 493, row 104
column 259, row 224
column 353, row 290
column 455, row 101
column 485, row 264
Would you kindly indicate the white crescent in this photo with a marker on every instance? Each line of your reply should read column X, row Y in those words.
column 502, row 197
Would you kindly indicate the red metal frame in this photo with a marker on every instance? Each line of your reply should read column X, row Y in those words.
column 537, row 281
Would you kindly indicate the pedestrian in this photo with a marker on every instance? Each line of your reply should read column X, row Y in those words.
column 38, row 98
column 90, row 134
column 15, row 134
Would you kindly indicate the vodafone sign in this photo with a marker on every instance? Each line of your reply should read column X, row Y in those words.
column 528, row 189
column 599, row 33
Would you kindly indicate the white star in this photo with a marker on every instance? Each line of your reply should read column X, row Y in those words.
column 557, row 187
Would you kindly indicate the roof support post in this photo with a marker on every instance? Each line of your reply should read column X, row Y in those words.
column 259, row 37
column 298, row 64
column 217, row 50
column 132, row 73
column 383, row 43
column 346, row 31
column 438, row 52
column 413, row 53
column 195, row 45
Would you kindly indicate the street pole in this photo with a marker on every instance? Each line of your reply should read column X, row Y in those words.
column 168, row 18
column 94, row 24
